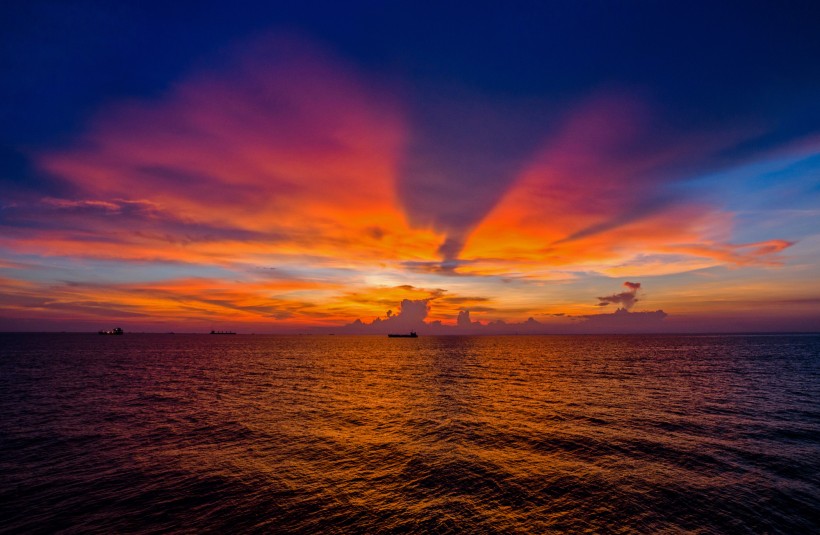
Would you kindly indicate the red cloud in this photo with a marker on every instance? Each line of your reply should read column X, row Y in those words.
column 285, row 143
column 600, row 193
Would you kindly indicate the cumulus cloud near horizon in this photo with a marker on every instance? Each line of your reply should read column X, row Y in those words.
column 412, row 316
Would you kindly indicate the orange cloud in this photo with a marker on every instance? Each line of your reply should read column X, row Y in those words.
column 254, row 303
column 286, row 149
column 177, row 301
column 598, row 197
column 287, row 157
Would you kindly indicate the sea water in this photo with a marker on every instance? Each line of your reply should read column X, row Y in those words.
column 366, row 434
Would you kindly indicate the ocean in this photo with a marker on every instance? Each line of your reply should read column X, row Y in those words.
column 453, row 434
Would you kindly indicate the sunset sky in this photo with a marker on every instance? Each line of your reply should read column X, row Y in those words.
column 294, row 167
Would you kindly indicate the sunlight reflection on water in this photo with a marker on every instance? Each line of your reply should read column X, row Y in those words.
column 436, row 434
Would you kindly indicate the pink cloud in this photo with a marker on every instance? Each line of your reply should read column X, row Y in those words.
column 602, row 191
column 283, row 141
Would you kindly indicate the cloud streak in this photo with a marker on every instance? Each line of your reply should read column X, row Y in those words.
column 604, row 190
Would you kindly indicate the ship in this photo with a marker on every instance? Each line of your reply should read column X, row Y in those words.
column 116, row 330
column 222, row 332
column 411, row 335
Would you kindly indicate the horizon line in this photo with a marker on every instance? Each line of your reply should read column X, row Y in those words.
column 654, row 333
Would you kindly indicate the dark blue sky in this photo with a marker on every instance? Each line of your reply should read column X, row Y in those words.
column 708, row 61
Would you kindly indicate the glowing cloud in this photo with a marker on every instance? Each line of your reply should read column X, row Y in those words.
column 601, row 194
column 285, row 150
column 286, row 157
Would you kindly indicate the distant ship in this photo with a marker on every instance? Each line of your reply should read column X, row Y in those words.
column 116, row 330
column 411, row 335
column 222, row 332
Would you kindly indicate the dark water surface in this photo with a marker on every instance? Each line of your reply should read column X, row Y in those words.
column 338, row 434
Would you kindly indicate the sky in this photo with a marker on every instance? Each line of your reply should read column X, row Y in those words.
column 370, row 167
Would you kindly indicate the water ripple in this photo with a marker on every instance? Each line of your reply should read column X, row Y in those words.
column 258, row 434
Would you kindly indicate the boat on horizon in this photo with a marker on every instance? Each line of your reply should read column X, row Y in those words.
column 411, row 335
column 222, row 332
column 115, row 331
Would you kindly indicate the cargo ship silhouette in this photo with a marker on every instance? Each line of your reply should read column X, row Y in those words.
column 411, row 335
column 116, row 330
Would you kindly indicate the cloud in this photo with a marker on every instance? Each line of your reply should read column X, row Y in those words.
column 464, row 300
column 605, row 190
column 462, row 153
column 194, row 301
column 410, row 317
column 413, row 315
column 90, row 205
column 281, row 149
column 463, row 320
column 285, row 149
column 411, row 312
column 623, row 321
column 626, row 299
column 283, row 154
column 122, row 229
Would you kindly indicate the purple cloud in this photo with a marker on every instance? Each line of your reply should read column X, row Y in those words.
column 626, row 299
